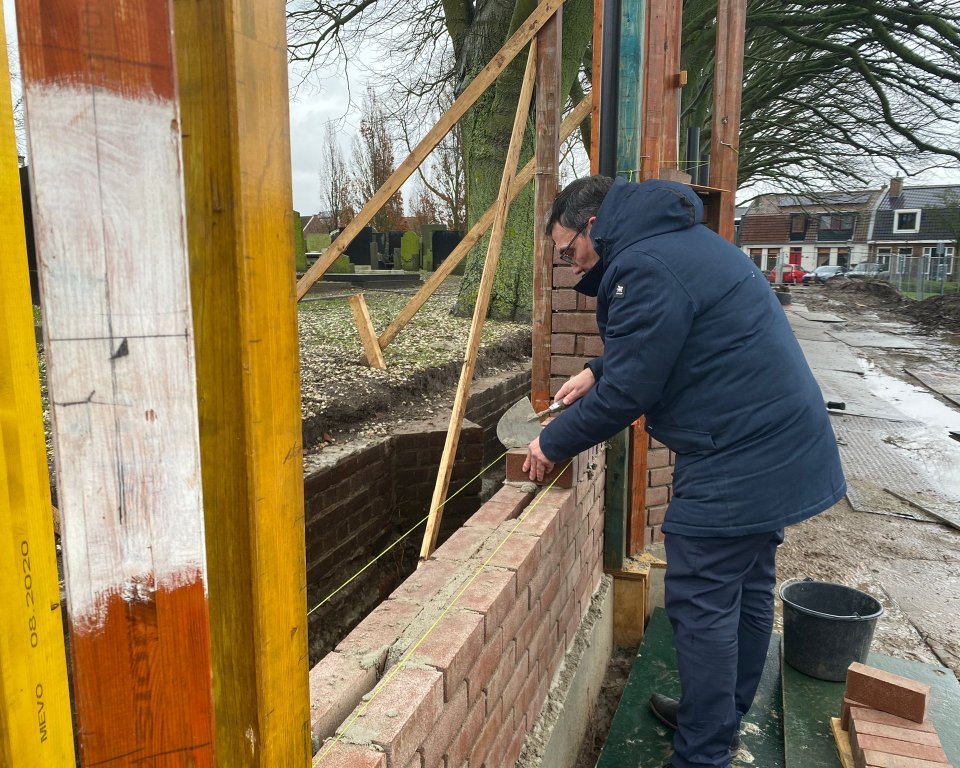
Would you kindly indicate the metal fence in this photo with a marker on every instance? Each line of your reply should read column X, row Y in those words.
column 919, row 277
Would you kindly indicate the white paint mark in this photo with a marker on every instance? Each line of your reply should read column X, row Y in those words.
column 114, row 272
column 252, row 740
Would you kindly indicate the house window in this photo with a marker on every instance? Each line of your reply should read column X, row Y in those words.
column 756, row 256
column 773, row 254
column 939, row 264
column 883, row 258
column 796, row 255
column 843, row 257
column 798, row 226
column 823, row 256
column 906, row 220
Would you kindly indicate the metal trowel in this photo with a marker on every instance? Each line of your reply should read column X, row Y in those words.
column 519, row 425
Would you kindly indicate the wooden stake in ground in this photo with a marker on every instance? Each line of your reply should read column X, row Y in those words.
column 35, row 724
column 458, row 109
column 361, row 316
column 480, row 309
column 232, row 71
column 105, row 142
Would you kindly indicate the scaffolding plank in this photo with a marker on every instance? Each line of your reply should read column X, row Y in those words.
column 234, row 106
column 35, row 725
column 100, row 92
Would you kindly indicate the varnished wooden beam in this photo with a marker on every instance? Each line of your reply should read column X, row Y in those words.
column 725, row 123
column 595, row 86
column 35, row 724
column 654, row 77
column 480, row 308
column 549, row 102
column 234, row 101
column 107, row 180
column 471, row 93
column 670, row 131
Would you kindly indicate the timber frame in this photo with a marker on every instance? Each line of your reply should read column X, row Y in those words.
column 174, row 381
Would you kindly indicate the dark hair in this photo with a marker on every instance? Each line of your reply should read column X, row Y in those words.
column 578, row 201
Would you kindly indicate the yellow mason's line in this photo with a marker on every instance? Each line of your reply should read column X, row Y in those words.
column 35, row 725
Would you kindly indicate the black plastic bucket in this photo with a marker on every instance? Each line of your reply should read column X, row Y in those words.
column 826, row 627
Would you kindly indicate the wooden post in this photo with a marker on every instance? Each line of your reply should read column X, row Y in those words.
column 670, row 128
column 549, row 102
column 725, row 124
column 232, row 71
column 35, row 725
column 637, row 519
column 595, row 90
column 654, row 76
column 471, row 93
column 480, row 308
column 576, row 116
column 368, row 336
column 105, row 141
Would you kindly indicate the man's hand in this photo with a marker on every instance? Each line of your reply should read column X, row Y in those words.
column 536, row 464
column 576, row 387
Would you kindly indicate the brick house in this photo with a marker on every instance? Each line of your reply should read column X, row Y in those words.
column 917, row 229
column 811, row 230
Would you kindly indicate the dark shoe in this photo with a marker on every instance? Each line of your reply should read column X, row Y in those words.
column 665, row 710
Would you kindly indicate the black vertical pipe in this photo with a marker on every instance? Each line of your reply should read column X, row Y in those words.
column 609, row 88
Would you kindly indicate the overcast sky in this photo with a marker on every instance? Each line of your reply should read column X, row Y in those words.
column 329, row 99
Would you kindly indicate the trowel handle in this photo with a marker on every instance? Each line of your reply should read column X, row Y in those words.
column 554, row 408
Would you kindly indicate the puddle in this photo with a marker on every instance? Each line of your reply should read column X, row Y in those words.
column 939, row 454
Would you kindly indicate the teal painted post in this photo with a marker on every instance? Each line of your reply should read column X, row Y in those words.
column 617, row 490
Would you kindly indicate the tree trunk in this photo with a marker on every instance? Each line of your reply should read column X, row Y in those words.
column 486, row 136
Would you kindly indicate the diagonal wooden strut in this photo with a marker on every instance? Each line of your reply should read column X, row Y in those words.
column 480, row 309
column 478, row 85
column 361, row 316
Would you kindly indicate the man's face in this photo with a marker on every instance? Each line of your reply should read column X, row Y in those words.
column 575, row 247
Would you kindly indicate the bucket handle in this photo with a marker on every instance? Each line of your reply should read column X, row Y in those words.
column 791, row 582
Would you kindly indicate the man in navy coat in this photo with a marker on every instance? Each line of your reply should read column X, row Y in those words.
column 695, row 340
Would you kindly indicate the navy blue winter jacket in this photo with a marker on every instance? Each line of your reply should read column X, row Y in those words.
column 695, row 339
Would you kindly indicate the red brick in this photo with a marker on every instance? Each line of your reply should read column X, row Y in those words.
column 865, row 714
column 462, row 545
column 351, row 756
column 488, row 734
column 548, row 593
column 887, row 692
column 425, row 582
column 516, row 745
column 514, row 497
column 446, row 729
column 401, row 715
column 658, row 457
column 490, row 515
column 451, row 648
column 501, row 676
column 564, row 300
column 518, row 553
column 492, row 593
column 533, row 621
column 885, row 760
column 655, row 515
column 867, row 728
column 657, row 496
column 575, row 322
column 562, row 343
column 586, row 303
column 483, row 669
column 512, row 689
column 415, row 762
column 515, row 619
column 661, row 476
column 562, row 472
column 337, row 683
column 894, row 747
column 845, row 712
column 563, row 277
column 542, row 521
column 539, row 697
column 381, row 628
column 465, row 740
column 565, row 365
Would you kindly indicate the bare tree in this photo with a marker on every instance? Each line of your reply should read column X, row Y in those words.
column 423, row 207
column 16, row 87
column 373, row 161
column 335, row 182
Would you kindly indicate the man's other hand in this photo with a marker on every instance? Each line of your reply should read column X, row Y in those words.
column 575, row 387
column 536, row 465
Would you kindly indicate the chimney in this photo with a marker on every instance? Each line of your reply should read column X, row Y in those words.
column 896, row 186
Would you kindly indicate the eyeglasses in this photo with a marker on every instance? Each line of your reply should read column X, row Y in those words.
column 564, row 253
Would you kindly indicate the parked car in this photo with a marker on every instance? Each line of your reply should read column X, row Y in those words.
column 868, row 269
column 791, row 273
column 824, row 273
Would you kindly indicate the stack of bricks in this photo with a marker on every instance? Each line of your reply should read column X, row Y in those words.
column 886, row 718
column 466, row 649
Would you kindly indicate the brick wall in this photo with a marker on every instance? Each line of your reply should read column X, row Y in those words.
column 468, row 646
column 575, row 340
column 361, row 498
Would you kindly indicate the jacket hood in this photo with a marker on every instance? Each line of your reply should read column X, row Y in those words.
column 632, row 212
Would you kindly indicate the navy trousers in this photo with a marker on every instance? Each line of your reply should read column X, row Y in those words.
column 719, row 598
